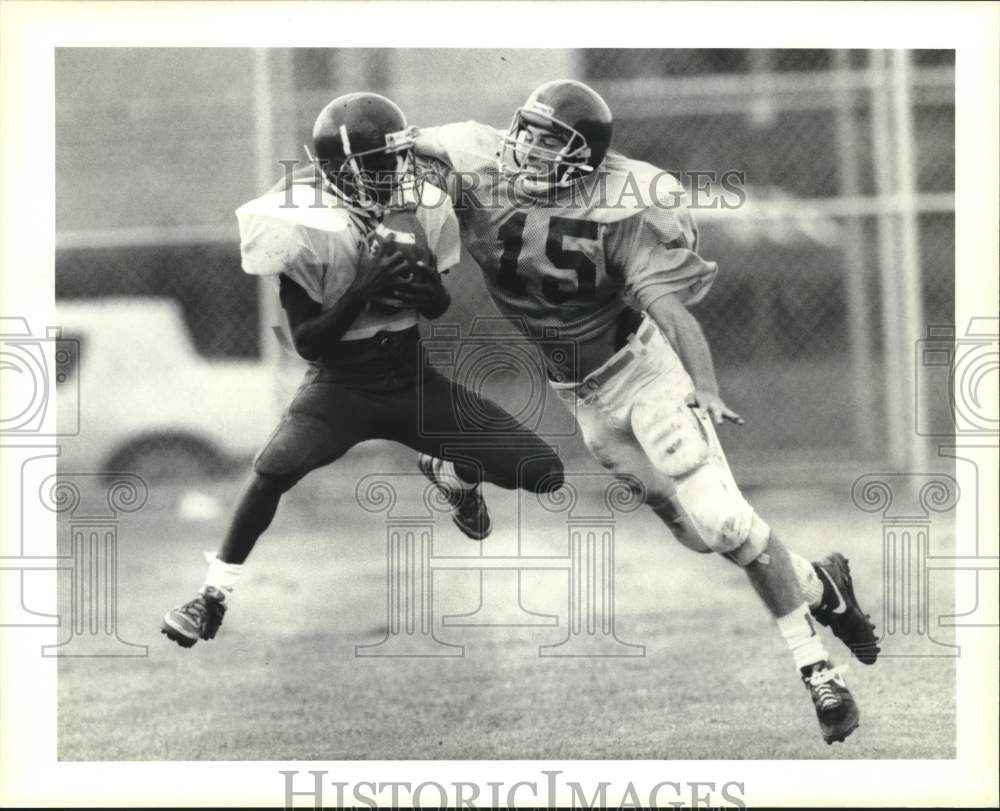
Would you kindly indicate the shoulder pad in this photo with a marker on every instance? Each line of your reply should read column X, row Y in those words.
column 625, row 188
column 298, row 206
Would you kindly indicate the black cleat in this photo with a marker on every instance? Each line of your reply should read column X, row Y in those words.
column 469, row 510
column 198, row 619
column 836, row 709
column 839, row 609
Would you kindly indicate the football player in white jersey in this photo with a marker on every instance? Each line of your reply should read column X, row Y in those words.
column 576, row 238
column 352, row 306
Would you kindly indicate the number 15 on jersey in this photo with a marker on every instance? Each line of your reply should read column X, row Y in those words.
column 561, row 259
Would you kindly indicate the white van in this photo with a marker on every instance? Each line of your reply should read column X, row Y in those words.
column 149, row 403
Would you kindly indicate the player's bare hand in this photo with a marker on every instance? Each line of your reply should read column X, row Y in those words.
column 423, row 292
column 379, row 270
column 413, row 295
column 711, row 404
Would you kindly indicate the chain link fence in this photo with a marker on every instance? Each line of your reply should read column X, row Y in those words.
column 798, row 318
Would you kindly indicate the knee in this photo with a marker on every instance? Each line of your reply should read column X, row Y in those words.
column 734, row 531
column 543, row 474
column 753, row 544
column 299, row 444
column 723, row 520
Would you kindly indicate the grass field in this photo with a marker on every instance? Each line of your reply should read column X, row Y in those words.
column 282, row 680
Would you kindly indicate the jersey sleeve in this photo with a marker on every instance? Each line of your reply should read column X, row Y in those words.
column 438, row 219
column 467, row 146
column 655, row 253
column 271, row 244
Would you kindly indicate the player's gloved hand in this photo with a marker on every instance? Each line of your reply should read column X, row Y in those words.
column 379, row 270
column 709, row 403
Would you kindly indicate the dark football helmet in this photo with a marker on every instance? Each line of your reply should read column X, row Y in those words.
column 364, row 148
column 560, row 134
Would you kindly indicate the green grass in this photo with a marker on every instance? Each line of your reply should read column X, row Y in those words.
column 282, row 682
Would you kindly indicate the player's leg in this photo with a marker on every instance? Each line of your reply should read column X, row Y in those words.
column 619, row 451
column 682, row 445
column 826, row 585
column 459, row 482
column 497, row 448
column 323, row 422
column 465, row 439
column 679, row 440
column 425, row 423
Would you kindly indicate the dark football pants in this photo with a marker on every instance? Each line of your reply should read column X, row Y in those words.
column 376, row 390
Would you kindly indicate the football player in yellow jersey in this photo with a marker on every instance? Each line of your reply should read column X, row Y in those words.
column 575, row 238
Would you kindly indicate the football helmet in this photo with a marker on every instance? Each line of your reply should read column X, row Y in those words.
column 560, row 134
column 364, row 149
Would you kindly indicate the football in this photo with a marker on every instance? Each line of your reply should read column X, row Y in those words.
column 401, row 231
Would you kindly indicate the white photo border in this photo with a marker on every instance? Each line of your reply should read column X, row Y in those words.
column 29, row 32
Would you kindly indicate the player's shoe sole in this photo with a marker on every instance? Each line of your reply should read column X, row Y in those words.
column 196, row 619
column 175, row 634
column 468, row 508
column 842, row 613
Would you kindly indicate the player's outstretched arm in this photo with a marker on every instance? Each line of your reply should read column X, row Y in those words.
column 686, row 336
column 427, row 144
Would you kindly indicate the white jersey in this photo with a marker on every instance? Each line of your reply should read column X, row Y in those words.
column 309, row 235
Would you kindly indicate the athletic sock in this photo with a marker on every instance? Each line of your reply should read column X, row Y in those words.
column 221, row 575
column 800, row 634
column 809, row 582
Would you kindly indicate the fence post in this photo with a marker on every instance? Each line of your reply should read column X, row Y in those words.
column 268, row 309
column 895, row 357
column 911, row 292
column 855, row 255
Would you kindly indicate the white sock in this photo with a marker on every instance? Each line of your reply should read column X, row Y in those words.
column 220, row 575
column 800, row 633
column 448, row 476
column 809, row 582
